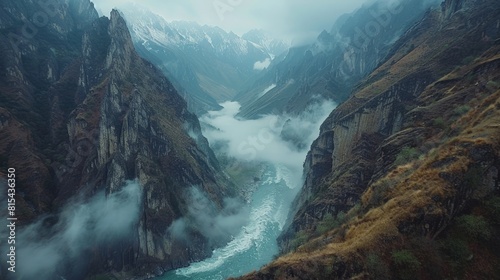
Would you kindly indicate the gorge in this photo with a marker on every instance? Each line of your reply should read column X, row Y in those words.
column 147, row 148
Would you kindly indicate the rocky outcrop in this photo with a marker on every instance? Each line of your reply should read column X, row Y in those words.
column 81, row 112
column 83, row 12
column 333, row 181
column 142, row 133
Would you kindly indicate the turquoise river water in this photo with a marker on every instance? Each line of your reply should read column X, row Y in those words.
column 255, row 245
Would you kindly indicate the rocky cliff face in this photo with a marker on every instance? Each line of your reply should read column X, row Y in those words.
column 37, row 52
column 414, row 147
column 81, row 111
column 378, row 111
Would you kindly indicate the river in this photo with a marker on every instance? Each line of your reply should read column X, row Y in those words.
column 255, row 245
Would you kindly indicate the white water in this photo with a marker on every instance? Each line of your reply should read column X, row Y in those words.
column 258, row 141
column 255, row 245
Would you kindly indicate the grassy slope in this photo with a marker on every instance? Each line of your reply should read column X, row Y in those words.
column 433, row 215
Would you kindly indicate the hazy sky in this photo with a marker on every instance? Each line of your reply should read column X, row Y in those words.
column 287, row 18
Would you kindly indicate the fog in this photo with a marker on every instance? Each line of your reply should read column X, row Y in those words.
column 261, row 65
column 56, row 245
column 275, row 139
column 278, row 140
column 218, row 227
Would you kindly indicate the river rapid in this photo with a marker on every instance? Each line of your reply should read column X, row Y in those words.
column 255, row 245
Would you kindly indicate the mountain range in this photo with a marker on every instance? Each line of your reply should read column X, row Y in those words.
column 332, row 66
column 207, row 64
column 115, row 180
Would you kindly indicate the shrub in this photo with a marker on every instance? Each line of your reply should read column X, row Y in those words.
column 300, row 238
column 408, row 265
column 468, row 60
column 355, row 211
column 476, row 227
column 329, row 222
column 405, row 258
column 379, row 192
column 456, row 249
column 376, row 266
column 406, row 155
column 461, row 110
column 439, row 123
column 493, row 85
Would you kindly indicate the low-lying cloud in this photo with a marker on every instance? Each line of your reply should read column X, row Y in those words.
column 273, row 139
column 261, row 65
column 276, row 139
column 217, row 226
column 56, row 247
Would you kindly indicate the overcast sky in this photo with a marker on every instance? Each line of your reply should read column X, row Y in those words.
column 296, row 19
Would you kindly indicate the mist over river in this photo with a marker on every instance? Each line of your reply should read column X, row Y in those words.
column 259, row 142
column 255, row 245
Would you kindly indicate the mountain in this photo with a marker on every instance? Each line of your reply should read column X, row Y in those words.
column 209, row 64
column 335, row 63
column 274, row 47
column 81, row 113
column 403, row 181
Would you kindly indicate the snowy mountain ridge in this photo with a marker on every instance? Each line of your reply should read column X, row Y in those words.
column 152, row 28
column 206, row 63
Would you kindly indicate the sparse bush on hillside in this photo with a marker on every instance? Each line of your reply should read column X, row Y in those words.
column 405, row 258
column 329, row 222
column 407, row 264
column 356, row 210
column 376, row 266
column 477, row 227
column 468, row 60
column 493, row 85
column 461, row 110
column 379, row 192
column 456, row 249
column 300, row 238
column 406, row 155
column 439, row 123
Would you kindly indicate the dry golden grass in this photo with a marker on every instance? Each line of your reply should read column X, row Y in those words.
column 415, row 186
column 422, row 186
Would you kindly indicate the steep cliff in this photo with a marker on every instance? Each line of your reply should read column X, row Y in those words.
column 143, row 129
column 37, row 52
column 81, row 111
column 403, row 181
